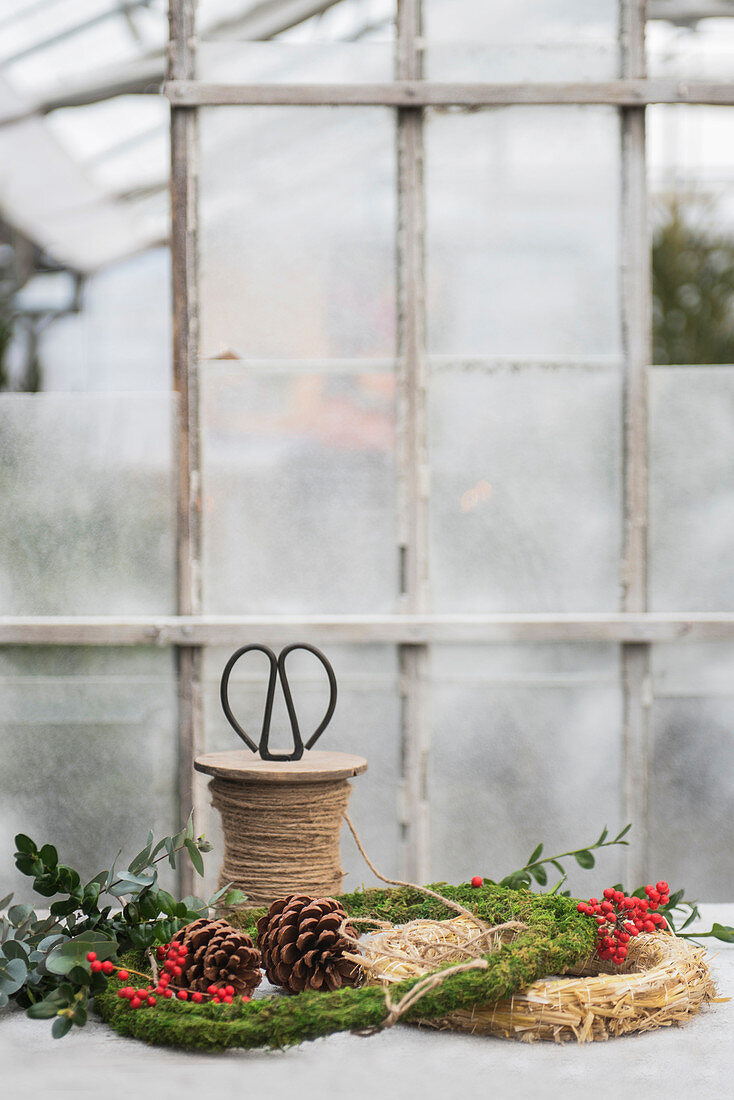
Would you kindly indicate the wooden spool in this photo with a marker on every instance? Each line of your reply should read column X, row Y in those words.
column 281, row 820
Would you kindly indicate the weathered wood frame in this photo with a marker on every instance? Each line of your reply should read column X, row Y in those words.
column 412, row 628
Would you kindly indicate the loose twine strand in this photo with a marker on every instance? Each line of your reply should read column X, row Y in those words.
column 481, row 940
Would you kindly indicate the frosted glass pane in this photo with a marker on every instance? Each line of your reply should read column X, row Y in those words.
column 692, row 489
column 693, row 668
column 299, row 481
column 298, row 232
column 703, row 51
column 278, row 62
column 523, row 228
column 88, row 742
column 525, row 490
column 87, row 490
column 366, row 722
column 517, row 40
column 692, row 796
column 524, row 748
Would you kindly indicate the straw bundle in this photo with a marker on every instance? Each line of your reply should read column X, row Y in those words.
column 664, row 981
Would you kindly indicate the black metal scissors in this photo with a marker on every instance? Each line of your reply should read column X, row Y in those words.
column 277, row 669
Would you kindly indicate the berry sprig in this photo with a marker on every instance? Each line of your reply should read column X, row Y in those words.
column 173, row 957
column 620, row 917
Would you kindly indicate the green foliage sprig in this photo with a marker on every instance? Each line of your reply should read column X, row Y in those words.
column 535, row 868
column 43, row 961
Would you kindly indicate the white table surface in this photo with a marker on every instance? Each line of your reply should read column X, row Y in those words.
column 696, row 1060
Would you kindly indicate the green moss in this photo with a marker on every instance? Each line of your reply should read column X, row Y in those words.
column 557, row 936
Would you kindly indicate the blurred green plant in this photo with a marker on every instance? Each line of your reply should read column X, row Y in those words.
column 693, row 284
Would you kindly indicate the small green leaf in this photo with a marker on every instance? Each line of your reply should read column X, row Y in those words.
column 689, row 919
column 13, row 973
column 536, row 854
column 24, row 844
column 15, row 949
column 44, row 1010
column 675, row 899
column 603, row 836
column 79, row 975
column 539, row 874
column 190, row 827
column 63, row 907
column 168, row 845
column 723, row 932
column 624, row 832
column 195, row 856
column 4, row 1000
column 26, row 864
column 49, row 855
column 585, row 859
column 6, row 901
column 237, row 897
column 79, row 1016
column 61, row 1027
column 19, row 913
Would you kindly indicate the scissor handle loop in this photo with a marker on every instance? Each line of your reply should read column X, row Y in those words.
column 277, row 670
column 224, row 692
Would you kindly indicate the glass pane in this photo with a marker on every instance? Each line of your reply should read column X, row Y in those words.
column 298, row 233
column 700, row 49
column 692, row 213
column 521, row 40
column 526, row 746
column 692, row 489
column 525, row 490
column 692, row 795
column 88, row 742
column 278, row 62
column 87, row 489
column 523, row 231
column 299, row 481
column 366, row 722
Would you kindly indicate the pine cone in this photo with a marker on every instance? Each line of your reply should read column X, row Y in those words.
column 220, row 955
column 301, row 945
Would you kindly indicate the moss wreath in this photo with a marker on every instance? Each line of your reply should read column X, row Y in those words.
column 557, row 936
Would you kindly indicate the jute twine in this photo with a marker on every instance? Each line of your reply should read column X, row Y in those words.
column 281, row 838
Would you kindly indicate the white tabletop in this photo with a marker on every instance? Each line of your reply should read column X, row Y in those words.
column 693, row 1061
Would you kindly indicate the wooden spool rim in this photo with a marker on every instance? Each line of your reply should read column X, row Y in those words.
column 313, row 767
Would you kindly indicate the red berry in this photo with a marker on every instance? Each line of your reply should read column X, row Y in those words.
column 123, row 975
column 108, row 967
column 177, row 971
column 211, row 990
column 95, row 966
column 228, row 999
column 135, row 1002
column 150, row 1001
column 168, row 965
column 142, row 993
column 183, row 950
column 160, row 953
column 229, row 990
column 121, row 993
column 477, row 881
column 167, row 993
column 91, row 956
column 663, row 887
column 182, row 995
column 196, row 997
column 164, row 979
column 245, row 999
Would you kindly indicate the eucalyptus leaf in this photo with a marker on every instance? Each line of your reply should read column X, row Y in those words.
column 4, row 1000
column 20, row 913
column 6, row 901
column 15, row 949
column 24, row 844
column 539, row 874
column 12, row 975
column 49, row 855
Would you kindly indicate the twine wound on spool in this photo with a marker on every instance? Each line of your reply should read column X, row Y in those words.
column 279, row 836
